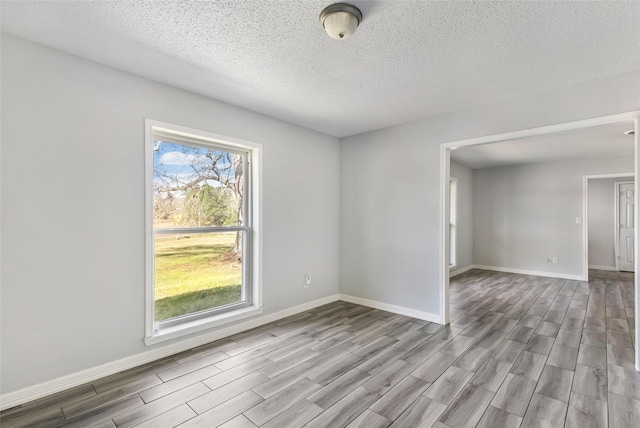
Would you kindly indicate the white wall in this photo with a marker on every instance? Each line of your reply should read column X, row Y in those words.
column 464, row 226
column 602, row 222
column 73, row 208
column 389, row 242
column 524, row 214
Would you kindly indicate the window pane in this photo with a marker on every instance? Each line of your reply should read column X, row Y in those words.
column 196, row 272
column 194, row 186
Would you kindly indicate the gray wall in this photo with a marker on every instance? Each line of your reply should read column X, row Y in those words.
column 389, row 183
column 73, row 208
column 464, row 235
column 602, row 221
column 525, row 214
column 72, row 270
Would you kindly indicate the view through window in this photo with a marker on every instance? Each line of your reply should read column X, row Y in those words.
column 201, row 228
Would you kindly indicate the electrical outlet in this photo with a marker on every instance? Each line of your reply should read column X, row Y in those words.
column 307, row 280
column 554, row 260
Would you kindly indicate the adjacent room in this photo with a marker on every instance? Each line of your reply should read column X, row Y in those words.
column 299, row 213
column 546, row 205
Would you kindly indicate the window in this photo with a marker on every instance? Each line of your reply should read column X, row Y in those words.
column 453, row 202
column 201, row 230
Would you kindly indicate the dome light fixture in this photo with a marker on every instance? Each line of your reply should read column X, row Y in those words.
column 340, row 20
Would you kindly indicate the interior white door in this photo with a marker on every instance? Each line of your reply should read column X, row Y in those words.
column 626, row 208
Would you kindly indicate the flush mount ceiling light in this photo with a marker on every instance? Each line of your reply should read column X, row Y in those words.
column 340, row 20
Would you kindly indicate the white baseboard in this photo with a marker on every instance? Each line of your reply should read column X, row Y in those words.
column 400, row 310
column 31, row 393
column 531, row 272
column 458, row 271
column 598, row 267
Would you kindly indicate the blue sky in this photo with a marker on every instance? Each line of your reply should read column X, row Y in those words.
column 181, row 163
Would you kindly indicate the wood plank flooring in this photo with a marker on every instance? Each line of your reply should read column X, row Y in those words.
column 521, row 351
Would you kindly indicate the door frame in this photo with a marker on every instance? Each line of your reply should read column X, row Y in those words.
column 617, row 221
column 585, row 216
column 445, row 160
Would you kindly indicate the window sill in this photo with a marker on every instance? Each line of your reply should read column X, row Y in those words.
column 202, row 324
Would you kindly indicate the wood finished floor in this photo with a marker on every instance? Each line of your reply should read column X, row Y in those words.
column 522, row 351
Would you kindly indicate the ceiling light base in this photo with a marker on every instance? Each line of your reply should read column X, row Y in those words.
column 340, row 20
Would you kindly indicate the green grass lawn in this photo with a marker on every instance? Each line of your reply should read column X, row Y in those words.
column 195, row 273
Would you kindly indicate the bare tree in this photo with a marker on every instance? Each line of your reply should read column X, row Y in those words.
column 205, row 167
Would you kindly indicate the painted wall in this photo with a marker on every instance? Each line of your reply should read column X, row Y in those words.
column 390, row 186
column 602, row 222
column 72, row 270
column 525, row 214
column 73, row 208
column 464, row 235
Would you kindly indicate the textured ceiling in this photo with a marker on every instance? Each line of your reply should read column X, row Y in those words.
column 594, row 142
column 408, row 59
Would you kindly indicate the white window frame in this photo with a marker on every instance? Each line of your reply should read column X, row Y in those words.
column 252, row 269
column 453, row 220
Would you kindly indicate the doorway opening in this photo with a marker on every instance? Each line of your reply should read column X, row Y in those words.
column 609, row 247
column 445, row 159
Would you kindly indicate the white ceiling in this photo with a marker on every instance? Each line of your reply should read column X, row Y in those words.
column 593, row 142
column 408, row 59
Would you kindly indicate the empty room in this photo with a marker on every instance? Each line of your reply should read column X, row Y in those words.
column 313, row 214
